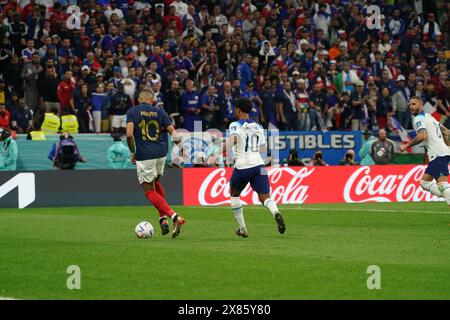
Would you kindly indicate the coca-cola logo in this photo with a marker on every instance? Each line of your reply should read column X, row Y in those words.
column 362, row 186
column 286, row 183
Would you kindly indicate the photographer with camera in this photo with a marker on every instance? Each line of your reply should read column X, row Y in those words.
column 349, row 159
column 318, row 161
column 66, row 153
column 293, row 160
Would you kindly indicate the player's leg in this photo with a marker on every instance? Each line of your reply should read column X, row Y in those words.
column 441, row 177
column 147, row 173
column 436, row 169
column 427, row 183
column 444, row 188
column 178, row 221
column 162, row 216
column 237, row 184
column 260, row 184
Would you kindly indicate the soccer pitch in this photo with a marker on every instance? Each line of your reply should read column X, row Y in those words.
column 324, row 254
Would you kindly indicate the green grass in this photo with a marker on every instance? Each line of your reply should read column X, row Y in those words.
column 324, row 254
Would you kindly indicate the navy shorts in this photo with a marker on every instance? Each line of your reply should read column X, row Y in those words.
column 438, row 167
column 257, row 176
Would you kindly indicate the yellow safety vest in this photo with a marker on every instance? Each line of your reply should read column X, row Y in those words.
column 69, row 123
column 51, row 123
column 37, row 135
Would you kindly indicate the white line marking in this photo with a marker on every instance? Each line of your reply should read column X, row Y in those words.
column 366, row 210
column 7, row 298
column 333, row 209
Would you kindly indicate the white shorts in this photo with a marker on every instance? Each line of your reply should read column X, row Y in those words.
column 119, row 121
column 149, row 170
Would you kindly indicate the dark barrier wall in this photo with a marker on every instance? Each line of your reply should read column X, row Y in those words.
column 91, row 188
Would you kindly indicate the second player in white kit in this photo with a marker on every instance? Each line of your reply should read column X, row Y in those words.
column 435, row 138
column 247, row 138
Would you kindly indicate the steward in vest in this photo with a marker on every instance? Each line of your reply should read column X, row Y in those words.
column 69, row 123
column 51, row 122
column 36, row 134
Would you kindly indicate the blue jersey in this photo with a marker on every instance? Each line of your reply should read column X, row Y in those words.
column 149, row 122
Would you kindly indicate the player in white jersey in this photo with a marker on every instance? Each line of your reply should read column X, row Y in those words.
column 247, row 138
column 435, row 138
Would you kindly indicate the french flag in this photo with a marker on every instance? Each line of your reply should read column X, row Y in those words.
column 401, row 132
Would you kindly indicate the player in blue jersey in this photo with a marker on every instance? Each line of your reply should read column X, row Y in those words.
column 145, row 123
column 247, row 139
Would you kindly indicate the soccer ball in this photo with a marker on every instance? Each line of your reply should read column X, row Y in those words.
column 144, row 230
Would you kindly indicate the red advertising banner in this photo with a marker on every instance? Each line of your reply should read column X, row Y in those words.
column 297, row 185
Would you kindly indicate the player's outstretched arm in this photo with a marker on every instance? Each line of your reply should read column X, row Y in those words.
column 130, row 141
column 420, row 137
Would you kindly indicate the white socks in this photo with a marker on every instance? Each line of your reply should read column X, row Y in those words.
column 431, row 187
column 236, row 206
column 441, row 189
column 271, row 205
column 444, row 188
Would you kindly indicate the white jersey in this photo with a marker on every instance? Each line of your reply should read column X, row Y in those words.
column 250, row 137
column 434, row 144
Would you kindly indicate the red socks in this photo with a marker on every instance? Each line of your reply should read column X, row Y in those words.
column 159, row 202
column 160, row 190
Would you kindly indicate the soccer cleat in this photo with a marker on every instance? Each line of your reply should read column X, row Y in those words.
column 177, row 226
column 280, row 223
column 165, row 229
column 242, row 233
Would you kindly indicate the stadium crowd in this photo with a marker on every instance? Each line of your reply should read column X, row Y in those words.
column 306, row 65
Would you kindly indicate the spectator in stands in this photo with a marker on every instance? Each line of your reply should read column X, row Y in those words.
column 288, row 109
column 384, row 109
column 8, row 151
column 98, row 103
column 382, row 150
column 21, row 118
column 318, row 107
column 358, row 104
column 191, row 106
column 30, row 74
column 210, row 108
column 118, row 155
column 400, row 103
column 64, row 93
column 307, row 43
column 269, row 104
column 173, row 103
column 5, row 117
column 251, row 94
column 120, row 103
column 48, row 88
column 81, row 101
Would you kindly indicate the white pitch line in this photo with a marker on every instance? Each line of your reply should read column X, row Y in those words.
column 7, row 298
column 366, row 210
column 343, row 210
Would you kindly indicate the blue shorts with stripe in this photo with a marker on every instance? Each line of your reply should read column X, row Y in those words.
column 438, row 167
column 257, row 176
